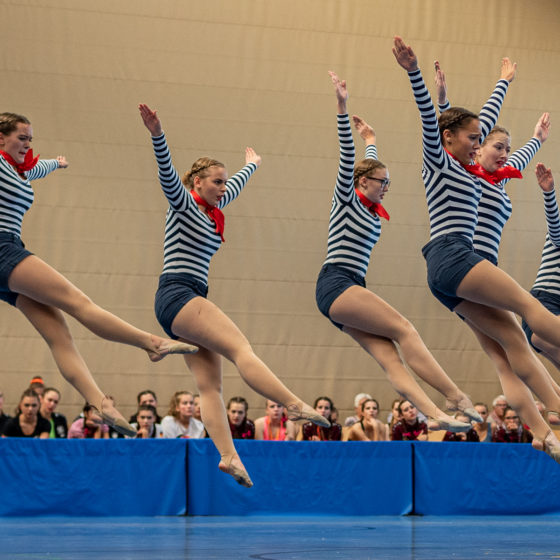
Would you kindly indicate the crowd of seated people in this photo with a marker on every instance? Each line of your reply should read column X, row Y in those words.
column 36, row 416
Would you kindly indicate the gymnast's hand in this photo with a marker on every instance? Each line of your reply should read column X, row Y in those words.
column 544, row 177
column 508, row 70
column 405, row 55
column 252, row 157
column 542, row 128
column 441, row 85
column 151, row 120
column 62, row 162
column 364, row 130
column 340, row 90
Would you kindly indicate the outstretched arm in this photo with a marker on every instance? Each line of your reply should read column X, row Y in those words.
column 405, row 55
column 237, row 182
column 546, row 183
column 441, row 86
column 341, row 92
column 151, row 120
column 368, row 136
column 521, row 158
column 544, row 177
column 542, row 128
column 252, row 157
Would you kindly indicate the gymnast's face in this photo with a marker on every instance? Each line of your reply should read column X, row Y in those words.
column 212, row 187
column 18, row 142
column 464, row 142
column 374, row 184
column 494, row 153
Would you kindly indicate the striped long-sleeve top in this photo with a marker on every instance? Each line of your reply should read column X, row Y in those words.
column 548, row 276
column 452, row 193
column 16, row 193
column 190, row 235
column 353, row 229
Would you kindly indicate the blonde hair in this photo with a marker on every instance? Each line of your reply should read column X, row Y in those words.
column 174, row 403
column 365, row 166
column 496, row 130
column 199, row 169
column 9, row 122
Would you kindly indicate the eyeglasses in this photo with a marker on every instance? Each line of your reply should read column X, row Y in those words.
column 384, row 182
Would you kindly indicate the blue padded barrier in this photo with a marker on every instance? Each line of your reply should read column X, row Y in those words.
column 92, row 477
column 341, row 478
column 484, row 479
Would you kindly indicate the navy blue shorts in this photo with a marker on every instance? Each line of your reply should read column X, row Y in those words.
column 12, row 252
column 449, row 259
column 175, row 290
column 332, row 281
column 551, row 302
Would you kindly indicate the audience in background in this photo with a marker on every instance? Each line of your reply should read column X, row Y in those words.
column 180, row 422
column 393, row 417
column 37, row 384
column 241, row 427
column 3, row 416
column 496, row 417
column 27, row 422
column 483, row 429
column 146, row 423
column 146, row 397
column 88, row 426
column 275, row 426
column 471, row 435
column 409, row 427
column 368, row 428
column 196, row 412
column 358, row 400
column 512, row 431
column 312, row 432
column 49, row 401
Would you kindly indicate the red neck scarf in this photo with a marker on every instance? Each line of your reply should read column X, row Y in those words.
column 216, row 215
column 28, row 163
column 495, row 177
column 373, row 207
column 506, row 172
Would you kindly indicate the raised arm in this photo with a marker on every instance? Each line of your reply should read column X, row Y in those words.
column 546, row 183
column 171, row 185
column 235, row 183
column 368, row 136
column 441, row 87
column 521, row 158
column 341, row 92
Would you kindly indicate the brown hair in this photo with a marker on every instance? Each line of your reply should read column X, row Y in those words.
column 9, row 122
column 175, row 399
column 454, row 119
column 198, row 169
column 496, row 130
column 365, row 166
column 28, row 393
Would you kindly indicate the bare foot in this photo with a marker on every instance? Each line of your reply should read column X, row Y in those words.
column 232, row 465
column 162, row 347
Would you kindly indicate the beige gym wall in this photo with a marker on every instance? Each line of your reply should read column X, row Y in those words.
column 224, row 75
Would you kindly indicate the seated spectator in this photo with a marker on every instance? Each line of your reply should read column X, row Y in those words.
column 49, row 402
column 512, row 431
column 358, row 400
column 197, row 414
column 88, row 426
column 369, row 428
column 3, row 417
column 393, row 417
column 484, row 428
column 471, row 435
column 275, row 426
column 409, row 427
column 146, row 397
column 241, row 427
column 334, row 414
column 311, row 432
column 496, row 417
column 27, row 422
column 37, row 384
column 180, row 422
column 146, row 423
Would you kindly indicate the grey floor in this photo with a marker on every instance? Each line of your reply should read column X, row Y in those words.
column 280, row 538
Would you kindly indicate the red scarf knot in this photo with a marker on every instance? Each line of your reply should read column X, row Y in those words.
column 29, row 161
column 215, row 214
column 495, row 177
column 373, row 207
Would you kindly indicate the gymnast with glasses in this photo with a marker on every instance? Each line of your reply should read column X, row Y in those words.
column 354, row 229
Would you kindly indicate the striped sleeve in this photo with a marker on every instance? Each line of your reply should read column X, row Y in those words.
column 42, row 169
column 235, row 184
column 521, row 158
column 344, row 188
column 371, row 152
column 552, row 217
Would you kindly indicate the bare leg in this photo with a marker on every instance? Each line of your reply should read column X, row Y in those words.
column 51, row 325
column 358, row 308
column 386, row 355
column 35, row 279
column 488, row 285
column 552, row 353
